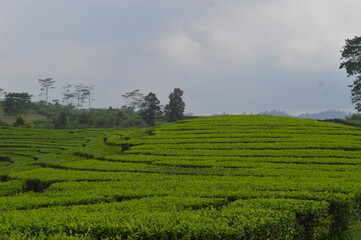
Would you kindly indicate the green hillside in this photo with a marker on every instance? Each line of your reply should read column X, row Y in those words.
column 225, row 177
column 31, row 117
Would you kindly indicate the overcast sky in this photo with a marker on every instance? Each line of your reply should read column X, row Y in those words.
column 229, row 56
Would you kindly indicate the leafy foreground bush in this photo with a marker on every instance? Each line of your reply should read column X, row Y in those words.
column 157, row 218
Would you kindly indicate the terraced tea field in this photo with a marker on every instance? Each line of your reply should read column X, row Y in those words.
column 226, row 177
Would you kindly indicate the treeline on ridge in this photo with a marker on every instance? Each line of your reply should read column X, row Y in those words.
column 139, row 110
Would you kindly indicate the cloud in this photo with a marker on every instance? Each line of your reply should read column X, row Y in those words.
column 190, row 46
column 298, row 36
column 303, row 56
column 227, row 55
column 181, row 49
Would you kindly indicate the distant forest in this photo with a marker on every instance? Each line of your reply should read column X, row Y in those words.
column 140, row 110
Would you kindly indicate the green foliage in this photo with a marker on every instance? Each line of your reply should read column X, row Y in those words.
column 356, row 93
column 355, row 116
column 16, row 104
column 351, row 54
column 140, row 219
column 29, row 125
column 150, row 109
column 107, row 118
column 11, row 187
column 19, row 122
column 76, row 118
column 175, row 108
column 52, row 111
column 226, row 177
column 61, row 122
column 35, row 185
column 312, row 216
column 353, row 233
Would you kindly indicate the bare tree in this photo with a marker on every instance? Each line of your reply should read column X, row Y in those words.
column 134, row 99
column 46, row 84
column 84, row 94
column 2, row 94
column 68, row 96
column 79, row 95
column 88, row 93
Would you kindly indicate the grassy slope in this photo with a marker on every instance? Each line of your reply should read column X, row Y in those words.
column 28, row 118
column 248, row 154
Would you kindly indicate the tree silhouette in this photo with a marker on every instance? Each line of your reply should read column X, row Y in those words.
column 175, row 109
column 46, row 84
column 351, row 53
column 150, row 108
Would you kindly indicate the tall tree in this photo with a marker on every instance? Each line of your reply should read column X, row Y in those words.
column 84, row 94
column 61, row 121
column 2, row 94
column 174, row 110
column 134, row 99
column 19, row 122
column 88, row 94
column 16, row 104
column 46, row 84
column 351, row 53
column 68, row 96
column 79, row 94
column 150, row 109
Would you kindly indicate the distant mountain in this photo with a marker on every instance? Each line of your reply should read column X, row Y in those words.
column 276, row 113
column 220, row 114
column 330, row 114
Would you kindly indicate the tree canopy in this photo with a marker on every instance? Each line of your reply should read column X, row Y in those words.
column 61, row 121
column 175, row 108
column 16, row 104
column 351, row 54
column 150, row 108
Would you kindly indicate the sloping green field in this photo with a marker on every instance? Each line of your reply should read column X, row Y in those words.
column 226, row 177
column 30, row 117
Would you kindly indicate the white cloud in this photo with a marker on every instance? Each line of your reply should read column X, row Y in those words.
column 193, row 47
column 235, row 50
column 299, row 36
column 304, row 56
column 181, row 50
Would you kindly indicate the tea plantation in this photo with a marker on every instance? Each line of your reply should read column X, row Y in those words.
column 225, row 177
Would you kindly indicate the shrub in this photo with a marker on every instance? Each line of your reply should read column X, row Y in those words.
column 19, row 122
